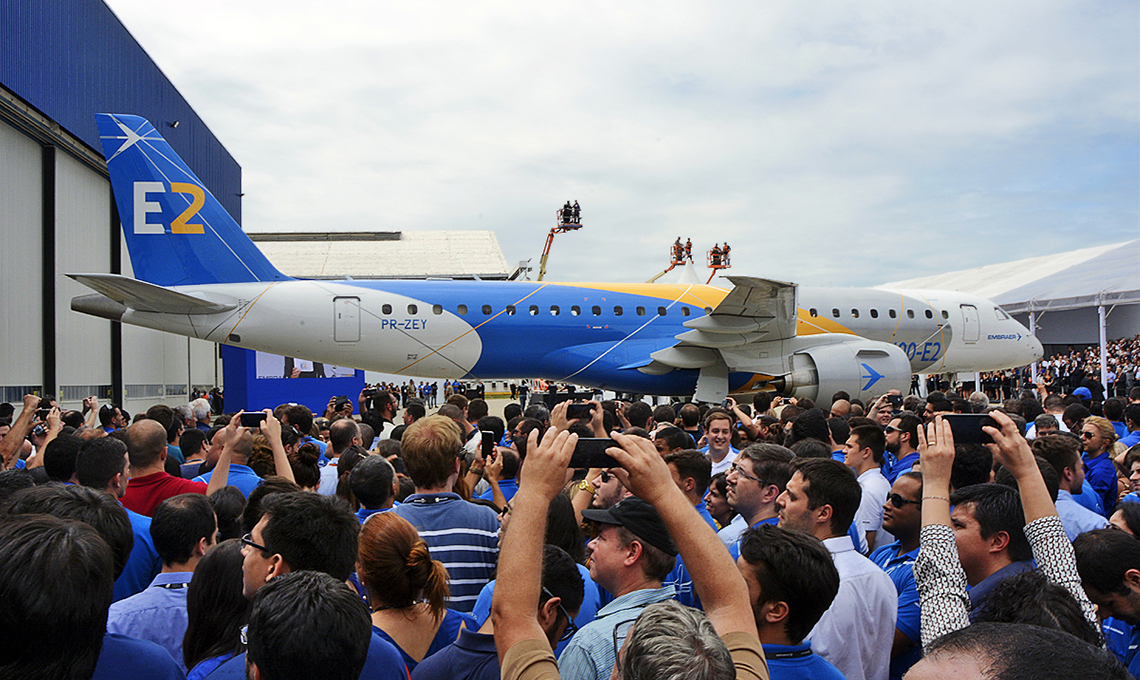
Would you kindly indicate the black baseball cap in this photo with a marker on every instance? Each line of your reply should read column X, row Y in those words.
column 639, row 518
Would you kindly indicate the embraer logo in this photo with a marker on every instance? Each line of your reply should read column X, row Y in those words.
column 1010, row 336
column 872, row 377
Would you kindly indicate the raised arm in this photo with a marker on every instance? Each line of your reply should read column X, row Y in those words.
column 514, row 609
column 718, row 582
column 1052, row 549
column 14, row 441
column 271, row 428
column 229, row 434
column 938, row 572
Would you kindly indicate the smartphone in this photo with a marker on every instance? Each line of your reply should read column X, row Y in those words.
column 253, row 420
column 370, row 392
column 895, row 400
column 488, row 443
column 579, row 411
column 591, row 453
column 967, row 427
column 341, row 401
column 726, row 404
column 42, row 413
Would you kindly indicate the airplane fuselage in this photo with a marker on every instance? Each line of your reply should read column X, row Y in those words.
column 585, row 333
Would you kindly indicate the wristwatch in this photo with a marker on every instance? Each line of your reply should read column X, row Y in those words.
column 585, row 486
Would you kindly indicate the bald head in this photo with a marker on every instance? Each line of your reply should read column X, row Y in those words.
column 840, row 408
column 146, row 444
column 343, row 434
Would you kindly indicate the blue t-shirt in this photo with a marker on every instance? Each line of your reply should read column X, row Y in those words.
column 448, row 631
column 586, row 614
column 1123, row 640
column 1101, row 475
column 798, row 662
column 383, row 663
column 509, row 487
column 471, row 657
column 125, row 658
column 143, row 564
column 901, row 570
column 241, row 476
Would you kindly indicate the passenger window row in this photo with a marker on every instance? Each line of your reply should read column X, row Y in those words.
column 875, row 313
column 554, row 310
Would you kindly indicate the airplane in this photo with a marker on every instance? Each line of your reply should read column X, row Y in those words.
column 199, row 275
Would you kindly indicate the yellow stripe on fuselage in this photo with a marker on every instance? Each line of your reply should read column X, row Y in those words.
column 706, row 296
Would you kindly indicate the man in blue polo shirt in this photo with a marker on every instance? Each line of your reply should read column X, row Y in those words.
column 902, row 518
column 102, row 465
column 1108, row 562
column 241, row 474
column 792, row 580
column 473, row 655
column 373, row 483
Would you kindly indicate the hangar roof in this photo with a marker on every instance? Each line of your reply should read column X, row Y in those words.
column 1069, row 280
column 385, row 255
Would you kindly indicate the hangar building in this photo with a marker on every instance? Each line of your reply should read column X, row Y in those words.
column 62, row 61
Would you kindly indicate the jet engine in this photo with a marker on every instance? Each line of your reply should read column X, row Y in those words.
column 863, row 368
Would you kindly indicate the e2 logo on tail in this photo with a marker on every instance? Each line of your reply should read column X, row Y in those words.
column 181, row 224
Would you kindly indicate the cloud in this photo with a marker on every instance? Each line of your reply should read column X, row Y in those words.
column 832, row 143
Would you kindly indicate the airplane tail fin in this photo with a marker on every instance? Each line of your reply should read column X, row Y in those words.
column 177, row 233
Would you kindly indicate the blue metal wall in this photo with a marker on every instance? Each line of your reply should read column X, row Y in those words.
column 74, row 58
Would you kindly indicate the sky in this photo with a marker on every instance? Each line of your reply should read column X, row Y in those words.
column 831, row 143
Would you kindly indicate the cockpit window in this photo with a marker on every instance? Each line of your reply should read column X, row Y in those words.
column 1001, row 315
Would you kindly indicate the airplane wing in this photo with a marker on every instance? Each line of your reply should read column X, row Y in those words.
column 755, row 310
column 147, row 297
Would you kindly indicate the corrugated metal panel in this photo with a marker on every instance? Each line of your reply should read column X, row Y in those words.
column 72, row 59
column 455, row 254
column 21, row 320
column 83, row 343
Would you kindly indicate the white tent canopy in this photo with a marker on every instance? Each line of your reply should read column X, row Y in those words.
column 1100, row 277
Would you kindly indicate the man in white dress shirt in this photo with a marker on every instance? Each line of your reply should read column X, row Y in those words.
column 855, row 634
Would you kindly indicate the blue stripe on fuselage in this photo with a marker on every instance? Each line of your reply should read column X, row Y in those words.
column 558, row 347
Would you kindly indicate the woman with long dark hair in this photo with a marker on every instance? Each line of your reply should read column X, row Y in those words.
column 217, row 610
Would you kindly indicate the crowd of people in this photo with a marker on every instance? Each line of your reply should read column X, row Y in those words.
column 1065, row 372
column 770, row 539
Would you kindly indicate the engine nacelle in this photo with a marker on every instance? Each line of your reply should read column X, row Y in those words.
column 863, row 368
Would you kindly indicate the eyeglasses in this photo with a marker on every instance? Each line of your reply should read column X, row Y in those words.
column 891, row 428
column 248, row 540
column 1087, row 435
column 505, row 511
column 570, row 627
column 735, row 467
column 900, row 502
column 605, row 477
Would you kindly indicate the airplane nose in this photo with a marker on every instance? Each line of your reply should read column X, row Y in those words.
column 1035, row 348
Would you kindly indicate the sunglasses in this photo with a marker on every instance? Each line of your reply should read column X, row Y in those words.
column 900, row 502
column 571, row 628
column 891, row 428
column 1086, row 435
column 605, row 477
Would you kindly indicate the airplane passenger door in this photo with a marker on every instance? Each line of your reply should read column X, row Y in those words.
column 970, row 326
column 346, row 319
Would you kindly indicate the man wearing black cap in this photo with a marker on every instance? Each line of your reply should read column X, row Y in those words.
column 630, row 557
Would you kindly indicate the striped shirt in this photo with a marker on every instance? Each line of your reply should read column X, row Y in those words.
column 463, row 536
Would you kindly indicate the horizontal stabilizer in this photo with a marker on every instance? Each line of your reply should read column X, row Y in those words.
column 147, row 297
